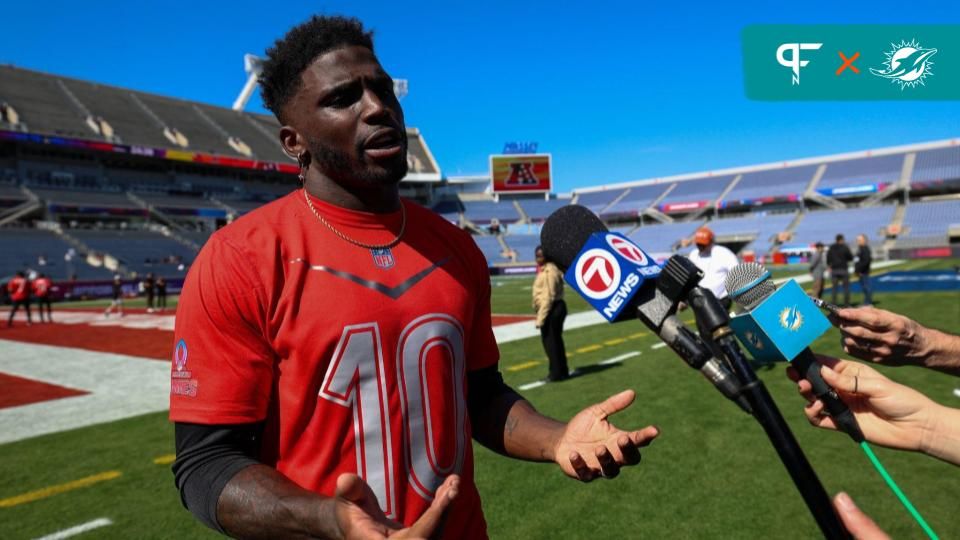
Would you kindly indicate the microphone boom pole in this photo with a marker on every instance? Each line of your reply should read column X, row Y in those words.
column 708, row 310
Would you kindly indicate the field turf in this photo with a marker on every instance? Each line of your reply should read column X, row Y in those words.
column 711, row 474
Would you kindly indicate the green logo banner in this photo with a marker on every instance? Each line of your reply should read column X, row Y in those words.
column 851, row 62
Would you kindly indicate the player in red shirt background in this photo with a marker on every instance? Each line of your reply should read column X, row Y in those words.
column 41, row 290
column 334, row 352
column 19, row 290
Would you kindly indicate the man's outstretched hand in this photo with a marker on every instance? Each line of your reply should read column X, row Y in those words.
column 360, row 517
column 591, row 447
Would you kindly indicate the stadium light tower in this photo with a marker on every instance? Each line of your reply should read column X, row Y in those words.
column 253, row 65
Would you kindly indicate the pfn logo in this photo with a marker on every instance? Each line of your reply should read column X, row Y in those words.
column 794, row 62
column 597, row 274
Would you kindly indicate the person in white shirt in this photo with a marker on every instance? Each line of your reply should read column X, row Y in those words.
column 715, row 262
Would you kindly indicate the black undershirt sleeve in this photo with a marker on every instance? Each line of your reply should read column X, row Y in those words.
column 484, row 387
column 208, row 456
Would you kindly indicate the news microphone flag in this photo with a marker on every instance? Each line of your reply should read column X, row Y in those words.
column 608, row 271
column 782, row 326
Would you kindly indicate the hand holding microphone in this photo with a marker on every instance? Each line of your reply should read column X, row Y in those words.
column 775, row 324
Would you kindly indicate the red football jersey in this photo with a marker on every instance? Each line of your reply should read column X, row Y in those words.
column 41, row 287
column 356, row 358
column 19, row 289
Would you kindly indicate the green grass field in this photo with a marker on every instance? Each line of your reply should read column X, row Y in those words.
column 711, row 474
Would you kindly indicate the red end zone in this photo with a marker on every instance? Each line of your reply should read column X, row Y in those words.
column 136, row 334
column 19, row 391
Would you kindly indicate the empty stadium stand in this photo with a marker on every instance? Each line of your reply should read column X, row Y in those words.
column 936, row 167
column 139, row 251
column 926, row 224
column 539, row 209
column 524, row 245
column 483, row 212
column 636, row 200
column 596, row 201
column 758, row 229
column 758, row 186
column 854, row 173
column 23, row 248
column 694, row 193
column 491, row 249
column 823, row 226
column 661, row 240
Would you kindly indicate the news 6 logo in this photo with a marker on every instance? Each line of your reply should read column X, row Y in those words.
column 608, row 272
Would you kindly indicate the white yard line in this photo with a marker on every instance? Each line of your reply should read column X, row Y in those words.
column 79, row 529
column 618, row 359
column 658, row 345
column 120, row 386
column 607, row 362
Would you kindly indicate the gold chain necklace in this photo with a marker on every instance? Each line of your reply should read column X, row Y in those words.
column 390, row 244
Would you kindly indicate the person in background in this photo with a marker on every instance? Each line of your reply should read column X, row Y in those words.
column 838, row 259
column 117, row 297
column 818, row 268
column 19, row 290
column 150, row 288
column 41, row 289
column 551, row 312
column 715, row 261
column 161, row 294
column 862, row 268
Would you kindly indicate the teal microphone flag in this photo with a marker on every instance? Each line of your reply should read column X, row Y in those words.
column 782, row 326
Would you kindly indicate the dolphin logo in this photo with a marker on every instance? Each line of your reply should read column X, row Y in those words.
column 791, row 318
column 908, row 64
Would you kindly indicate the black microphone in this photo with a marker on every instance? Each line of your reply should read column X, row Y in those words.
column 564, row 235
column 749, row 285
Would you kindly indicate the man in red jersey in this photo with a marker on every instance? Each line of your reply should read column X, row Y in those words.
column 19, row 290
column 334, row 352
column 41, row 290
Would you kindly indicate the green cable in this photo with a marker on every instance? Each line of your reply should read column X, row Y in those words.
column 896, row 491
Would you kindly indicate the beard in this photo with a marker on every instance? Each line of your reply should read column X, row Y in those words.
column 360, row 172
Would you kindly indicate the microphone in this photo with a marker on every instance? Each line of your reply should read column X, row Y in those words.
column 779, row 324
column 621, row 281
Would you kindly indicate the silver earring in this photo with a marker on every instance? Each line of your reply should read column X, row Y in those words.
column 303, row 167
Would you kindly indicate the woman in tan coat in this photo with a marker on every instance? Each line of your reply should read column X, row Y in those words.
column 551, row 312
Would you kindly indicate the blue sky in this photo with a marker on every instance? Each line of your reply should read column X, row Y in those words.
column 615, row 91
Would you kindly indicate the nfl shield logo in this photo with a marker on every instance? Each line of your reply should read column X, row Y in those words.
column 383, row 258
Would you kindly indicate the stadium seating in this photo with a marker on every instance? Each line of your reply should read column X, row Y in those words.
column 42, row 105
column 539, row 209
column 771, row 183
column 93, row 199
column 659, row 240
column 863, row 171
column 638, row 199
column 140, row 251
column 823, row 226
column 483, row 212
column 761, row 226
column 450, row 210
column 130, row 123
column 596, row 201
column 262, row 142
column 171, row 201
column 524, row 245
column 491, row 249
column 22, row 249
column 697, row 190
column 176, row 113
column 926, row 223
column 936, row 167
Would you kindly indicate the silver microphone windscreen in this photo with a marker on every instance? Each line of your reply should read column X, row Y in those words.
column 748, row 284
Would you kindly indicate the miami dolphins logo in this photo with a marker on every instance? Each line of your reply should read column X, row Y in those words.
column 907, row 64
column 791, row 318
column 754, row 340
